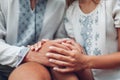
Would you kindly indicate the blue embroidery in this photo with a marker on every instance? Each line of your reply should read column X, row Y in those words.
column 96, row 18
column 87, row 33
column 30, row 22
column 97, row 51
column 97, row 36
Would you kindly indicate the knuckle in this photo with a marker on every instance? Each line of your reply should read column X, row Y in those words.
column 72, row 65
column 73, row 69
column 53, row 44
column 63, row 64
column 60, row 57
column 62, row 71
column 79, row 45
column 54, row 61
column 73, row 60
column 76, row 51
column 51, row 55
column 61, row 51
column 73, row 55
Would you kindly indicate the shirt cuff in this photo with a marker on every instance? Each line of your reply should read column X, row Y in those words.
column 21, row 55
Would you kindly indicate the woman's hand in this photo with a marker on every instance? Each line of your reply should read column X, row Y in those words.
column 70, row 60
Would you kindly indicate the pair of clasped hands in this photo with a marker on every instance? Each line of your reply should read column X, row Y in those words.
column 63, row 55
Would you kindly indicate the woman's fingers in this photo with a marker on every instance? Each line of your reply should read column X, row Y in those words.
column 76, row 46
column 60, row 63
column 60, row 46
column 71, row 47
column 63, row 70
column 61, row 40
column 60, row 51
column 60, row 57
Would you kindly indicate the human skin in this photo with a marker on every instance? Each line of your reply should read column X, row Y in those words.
column 81, row 61
column 31, row 71
column 88, row 62
column 33, row 59
column 84, row 61
column 32, row 56
column 34, row 63
column 40, row 56
column 70, row 75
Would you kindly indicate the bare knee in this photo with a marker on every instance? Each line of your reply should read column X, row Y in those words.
column 30, row 71
column 63, row 76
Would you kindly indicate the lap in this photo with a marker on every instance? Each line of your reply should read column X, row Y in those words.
column 30, row 71
column 5, row 72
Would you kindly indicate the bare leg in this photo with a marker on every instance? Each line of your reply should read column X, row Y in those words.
column 63, row 76
column 30, row 71
column 85, row 75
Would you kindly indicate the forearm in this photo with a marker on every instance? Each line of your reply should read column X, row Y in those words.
column 104, row 61
column 12, row 55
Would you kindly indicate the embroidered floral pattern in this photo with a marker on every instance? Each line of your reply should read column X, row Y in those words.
column 88, row 34
column 30, row 22
column 97, row 51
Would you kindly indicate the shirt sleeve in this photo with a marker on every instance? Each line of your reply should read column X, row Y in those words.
column 68, row 21
column 21, row 55
column 61, row 32
column 116, row 13
column 9, row 54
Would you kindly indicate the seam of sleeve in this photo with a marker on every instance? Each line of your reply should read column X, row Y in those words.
column 21, row 55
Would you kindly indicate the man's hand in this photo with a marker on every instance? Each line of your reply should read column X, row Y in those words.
column 37, row 46
column 40, row 56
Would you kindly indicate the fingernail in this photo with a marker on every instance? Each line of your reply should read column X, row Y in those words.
column 47, row 54
column 63, row 43
column 67, row 38
column 32, row 48
column 51, row 60
column 39, row 46
column 51, row 47
column 28, row 45
column 55, row 68
column 36, row 49
column 45, row 39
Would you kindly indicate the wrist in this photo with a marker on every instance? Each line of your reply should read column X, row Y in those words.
column 27, row 58
column 92, row 62
column 88, row 62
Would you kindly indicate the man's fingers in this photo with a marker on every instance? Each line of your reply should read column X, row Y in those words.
column 63, row 70
column 37, row 46
column 44, row 41
column 32, row 48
